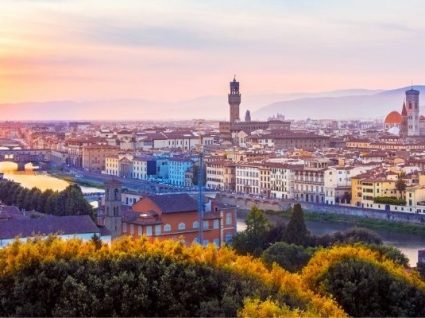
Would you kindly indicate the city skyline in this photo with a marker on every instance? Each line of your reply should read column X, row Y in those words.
column 79, row 50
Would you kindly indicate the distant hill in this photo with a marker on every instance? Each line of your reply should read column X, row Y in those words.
column 359, row 106
column 339, row 104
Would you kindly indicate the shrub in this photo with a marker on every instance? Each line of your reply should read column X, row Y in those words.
column 389, row 200
column 289, row 256
column 365, row 282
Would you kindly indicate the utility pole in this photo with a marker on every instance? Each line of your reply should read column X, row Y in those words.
column 201, row 207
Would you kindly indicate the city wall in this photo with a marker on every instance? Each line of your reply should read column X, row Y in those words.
column 245, row 203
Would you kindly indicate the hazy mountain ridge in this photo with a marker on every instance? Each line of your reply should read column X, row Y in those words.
column 376, row 105
column 339, row 104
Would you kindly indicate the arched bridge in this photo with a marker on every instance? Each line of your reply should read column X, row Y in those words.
column 24, row 156
column 10, row 144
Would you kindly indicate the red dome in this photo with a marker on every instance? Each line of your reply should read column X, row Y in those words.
column 393, row 118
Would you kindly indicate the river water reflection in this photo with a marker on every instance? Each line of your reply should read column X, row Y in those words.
column 31, row 178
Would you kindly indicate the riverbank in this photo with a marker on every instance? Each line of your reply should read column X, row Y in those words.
column 72, row 179
column 372, row 224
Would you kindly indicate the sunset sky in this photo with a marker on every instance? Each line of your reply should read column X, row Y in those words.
column 182, row 49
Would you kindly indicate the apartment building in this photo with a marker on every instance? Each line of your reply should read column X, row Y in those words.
column 93, row 156
column 220, row 175
column 309, row 183
column 368, row 186
column 177, row 168
column 144, row 167
column 248, row 178
column 282, row 177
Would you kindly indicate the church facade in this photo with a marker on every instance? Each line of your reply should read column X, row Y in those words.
column 408, row 123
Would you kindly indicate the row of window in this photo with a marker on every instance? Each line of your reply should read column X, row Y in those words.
column 215, row 172
column 247, row 182
column 227, row 238
column 244, row 173
column 181, row 226
column 247, row 189
column 303, row 187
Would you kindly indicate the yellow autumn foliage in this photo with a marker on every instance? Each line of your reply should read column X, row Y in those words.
column 18, row 255
column 323, row 259
column 255, row 308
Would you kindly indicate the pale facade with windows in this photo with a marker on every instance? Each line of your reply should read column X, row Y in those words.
column 248, row 179
column 282, row 180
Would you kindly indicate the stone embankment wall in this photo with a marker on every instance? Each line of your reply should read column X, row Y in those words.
column 246, row 203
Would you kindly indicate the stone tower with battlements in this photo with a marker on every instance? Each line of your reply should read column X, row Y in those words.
column 234, row 101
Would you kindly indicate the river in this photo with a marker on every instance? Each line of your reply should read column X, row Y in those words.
column 31, row 178
column 407, row 243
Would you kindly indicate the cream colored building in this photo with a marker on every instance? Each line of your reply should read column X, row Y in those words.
column 220, row 175
column 93, row 156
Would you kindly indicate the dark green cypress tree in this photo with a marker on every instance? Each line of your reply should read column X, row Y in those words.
column 21, row 197
column 296, row 231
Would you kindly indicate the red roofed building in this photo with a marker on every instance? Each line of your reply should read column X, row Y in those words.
column 393, row 119
column 397, row 120
column 175, row 216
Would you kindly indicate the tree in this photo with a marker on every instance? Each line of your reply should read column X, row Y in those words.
column 253, row 239
column 290, row 256
column 365, row 289
column 21, row 197
column 97, row 242
column 400, row 185
column 50, row 206
column 11, row 193
column 391, row 252
column 42, row 199
column 256, row 222
column 275, row 233
column 33, row 195
column 351, row 236
column 296, row 231
column 356, row 235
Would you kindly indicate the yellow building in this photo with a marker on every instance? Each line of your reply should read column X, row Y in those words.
column 356, row 190
column 365, row 188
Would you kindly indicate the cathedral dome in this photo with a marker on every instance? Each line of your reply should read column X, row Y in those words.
column 393, row 118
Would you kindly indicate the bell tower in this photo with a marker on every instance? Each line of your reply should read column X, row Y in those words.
column 234, row 98
column 412, row 104
column 113, row 216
